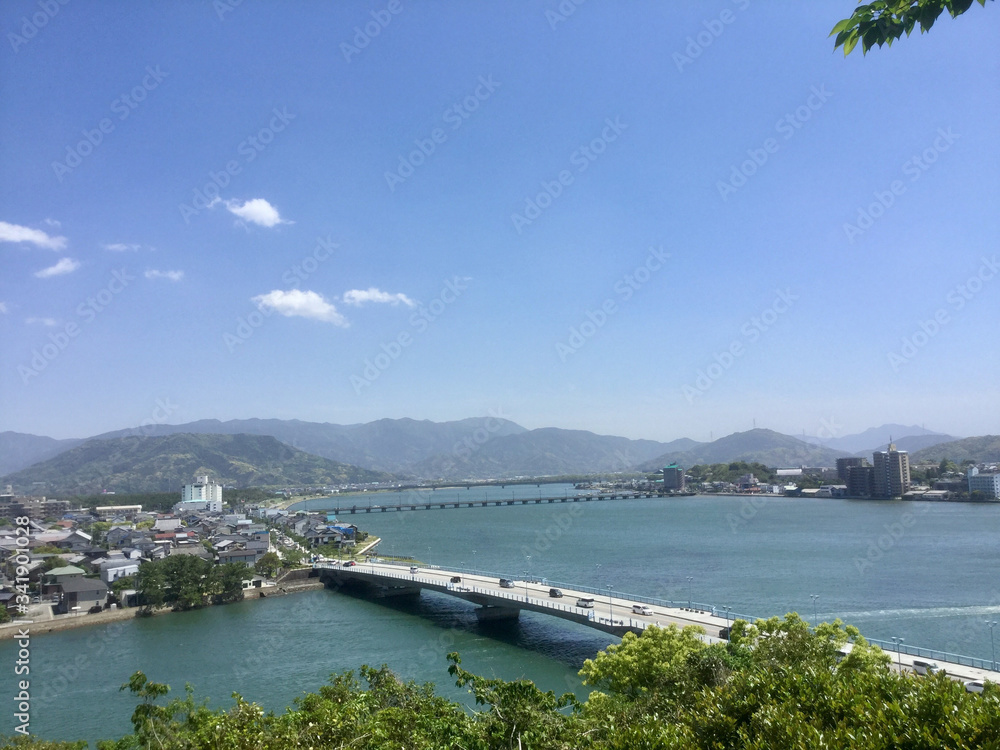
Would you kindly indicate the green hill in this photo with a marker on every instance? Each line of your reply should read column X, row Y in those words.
column 763, row 446
column 164, row 464
column 982, row 449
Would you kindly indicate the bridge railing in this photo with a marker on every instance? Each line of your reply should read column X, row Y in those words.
column 512, row 595
column 930, row 653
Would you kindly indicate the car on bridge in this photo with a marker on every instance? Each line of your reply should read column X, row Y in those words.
column 585, row 602
column 506, row 583
column 925, row 667
column 641, row 609
column 555, row 593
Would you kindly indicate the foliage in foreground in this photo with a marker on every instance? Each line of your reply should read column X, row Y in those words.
column 884, row 21
column 776, row 685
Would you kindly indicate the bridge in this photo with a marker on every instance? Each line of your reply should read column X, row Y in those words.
column 609, row 611
column 497, row 502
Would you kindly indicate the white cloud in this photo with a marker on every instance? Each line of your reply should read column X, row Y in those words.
column 3, row 307
column 256, row 211
column 48, row 322
column 64, row 266
column 53, row 223
column 170, row 275
column 121, row 247
column 371, row 294
column 17, row 233
column 297, row 303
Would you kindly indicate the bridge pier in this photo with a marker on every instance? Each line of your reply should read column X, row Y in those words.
column 492, row 613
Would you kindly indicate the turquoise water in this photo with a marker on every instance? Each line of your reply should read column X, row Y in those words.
column 927, row 572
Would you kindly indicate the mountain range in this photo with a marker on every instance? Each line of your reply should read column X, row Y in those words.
column 164, row 464
column 475, row 448
column 906, row 438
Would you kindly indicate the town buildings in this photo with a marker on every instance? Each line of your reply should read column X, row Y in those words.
column 891, row 472
column 983, row 482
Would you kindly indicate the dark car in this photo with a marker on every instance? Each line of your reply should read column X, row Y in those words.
column 555, row 593
column 456, row 579
column 349, row 563
column 506, row 583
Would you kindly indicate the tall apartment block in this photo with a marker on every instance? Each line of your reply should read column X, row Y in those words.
column 891, row 472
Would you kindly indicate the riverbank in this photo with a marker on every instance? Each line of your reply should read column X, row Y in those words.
column 60, row 623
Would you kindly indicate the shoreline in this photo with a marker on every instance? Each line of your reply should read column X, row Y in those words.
column 69, row 622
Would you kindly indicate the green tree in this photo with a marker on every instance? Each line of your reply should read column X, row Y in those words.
column 292, row 557
column 652, row 661
column 885, row 21
column 227, row 582
column 188, row 581
column 122, row 584
column 150, row 586
column 268, row 564
column 54, row 562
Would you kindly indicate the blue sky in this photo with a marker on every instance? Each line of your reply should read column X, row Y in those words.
column 648, row 219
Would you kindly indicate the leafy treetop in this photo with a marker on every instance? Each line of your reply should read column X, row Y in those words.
column 885, row 21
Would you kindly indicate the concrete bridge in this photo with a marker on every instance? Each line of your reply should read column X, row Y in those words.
column 609, row 611
column 484, row 503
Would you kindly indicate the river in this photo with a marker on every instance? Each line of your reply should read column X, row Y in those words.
column 926, row 572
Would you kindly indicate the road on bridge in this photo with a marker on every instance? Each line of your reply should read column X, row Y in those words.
column 610, row 612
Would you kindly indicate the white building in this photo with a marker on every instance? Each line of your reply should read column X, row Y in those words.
column 988, row 483
column 204, row 495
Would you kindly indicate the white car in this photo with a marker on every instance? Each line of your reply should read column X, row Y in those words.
column 925, row 667
column 641, row 609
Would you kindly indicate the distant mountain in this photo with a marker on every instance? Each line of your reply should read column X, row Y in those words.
column 983, row 449
column 392, row 445
column 548, row 451
column 913, row 443
column 18, row 450
column 164, row 464
column 860, row 443
column 766, row 446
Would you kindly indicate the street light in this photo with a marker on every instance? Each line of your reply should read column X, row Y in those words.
column 611, row 606
column 899, row 662
column 992, row 625
column 729, row 633
column 473, row 562
column 689, row 579
column 525, row 587
column 814, row 597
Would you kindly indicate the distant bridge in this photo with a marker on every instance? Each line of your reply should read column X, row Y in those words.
column 496, row 502
column 609, row 611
